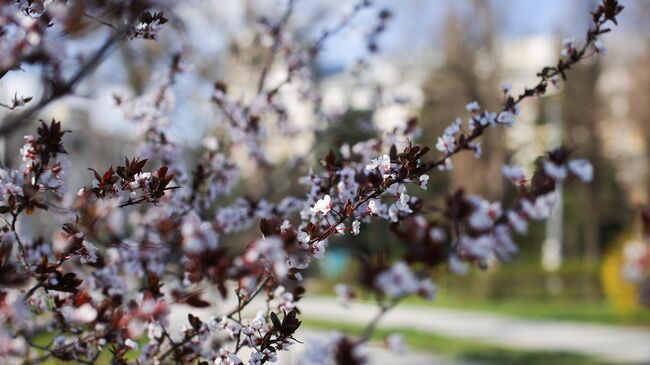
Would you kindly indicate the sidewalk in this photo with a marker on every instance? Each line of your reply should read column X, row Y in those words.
column 377, row 355
column 614, row 343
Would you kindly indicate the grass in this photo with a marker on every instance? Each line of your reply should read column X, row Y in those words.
column 549, row 308
column 104, row 358
column 461, row 349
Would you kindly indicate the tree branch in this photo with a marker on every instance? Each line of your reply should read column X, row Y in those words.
column 60, row 89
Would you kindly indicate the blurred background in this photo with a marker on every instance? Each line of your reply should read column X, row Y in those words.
column 433, row 58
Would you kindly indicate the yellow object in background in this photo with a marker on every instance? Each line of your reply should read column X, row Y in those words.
column 622, row 294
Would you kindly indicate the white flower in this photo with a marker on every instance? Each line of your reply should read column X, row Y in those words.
column 197, row 235
column 446, row 143
column 506, row 87
column 446, row 166
column 568, row 47
column 555, row 171
column 231, row 327
column 437, row 234
column 141, row 179
column 635, row 254
column 505, row 247
column 424, row 179
column 317, row 352
column 427, row 289
column 340, row 228
column 131, row 344
column 228, row 358
column 480, row 220
column 517, row 222
column 256, row 358
column 322, row 205
column 382, row 163
column 154, row 330
column 476, row 146
column 210, row 142
column 484, row 214
column 393, row 213
column 270, row 355
column 480, row 247
column 397, row 281
column 454, row 127
column 344, row 294
column 506, row 118
column 84, row 314
column 542, row 207
column 395, row 343
column 372, row 207
column 319, row 249
column 88, row 253
column 473, row 107
column 457, row 266
column 258, row 322
column 600, row 47
column 514, row 173
column 303, row 238
column 269, row 251
column 403, row 203
column 582, row 169
column 345, row 150
column 356, row 227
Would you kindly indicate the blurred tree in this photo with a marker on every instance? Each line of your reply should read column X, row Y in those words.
column 579, row 109
column 582, row 111
column 640, row 88
column 469, row 61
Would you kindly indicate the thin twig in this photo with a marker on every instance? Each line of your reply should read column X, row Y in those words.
column 545, row 77
column 275, row 46
column 250, row 298
column 100, row 21
column 59, row 90
column 370, row 328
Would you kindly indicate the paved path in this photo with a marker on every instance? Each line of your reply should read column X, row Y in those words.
column 377, row 355
column 614, row 343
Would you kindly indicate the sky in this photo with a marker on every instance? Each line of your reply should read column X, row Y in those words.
column 416, row 25
column 419, row 24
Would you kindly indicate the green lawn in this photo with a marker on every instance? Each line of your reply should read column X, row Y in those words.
column 563, row 309
column 464, row 349
column 424, row 341
column 519, row 289
column 103, row 359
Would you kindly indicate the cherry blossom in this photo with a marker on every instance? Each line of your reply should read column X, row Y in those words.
column 473, row 107
column 344, row 294
column 568, row 47
column 582, row 169
column 555, row 171
column 397, row 281
column 153, row 232
column 356, row 227
column 395, row 343
column 600, row 47
column 323, row 205
column 514, row 173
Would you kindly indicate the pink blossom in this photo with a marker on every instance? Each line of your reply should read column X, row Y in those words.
column 582, row 169
column 323, row 205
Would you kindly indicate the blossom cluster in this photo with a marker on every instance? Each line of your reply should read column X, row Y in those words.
column 146, row 238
